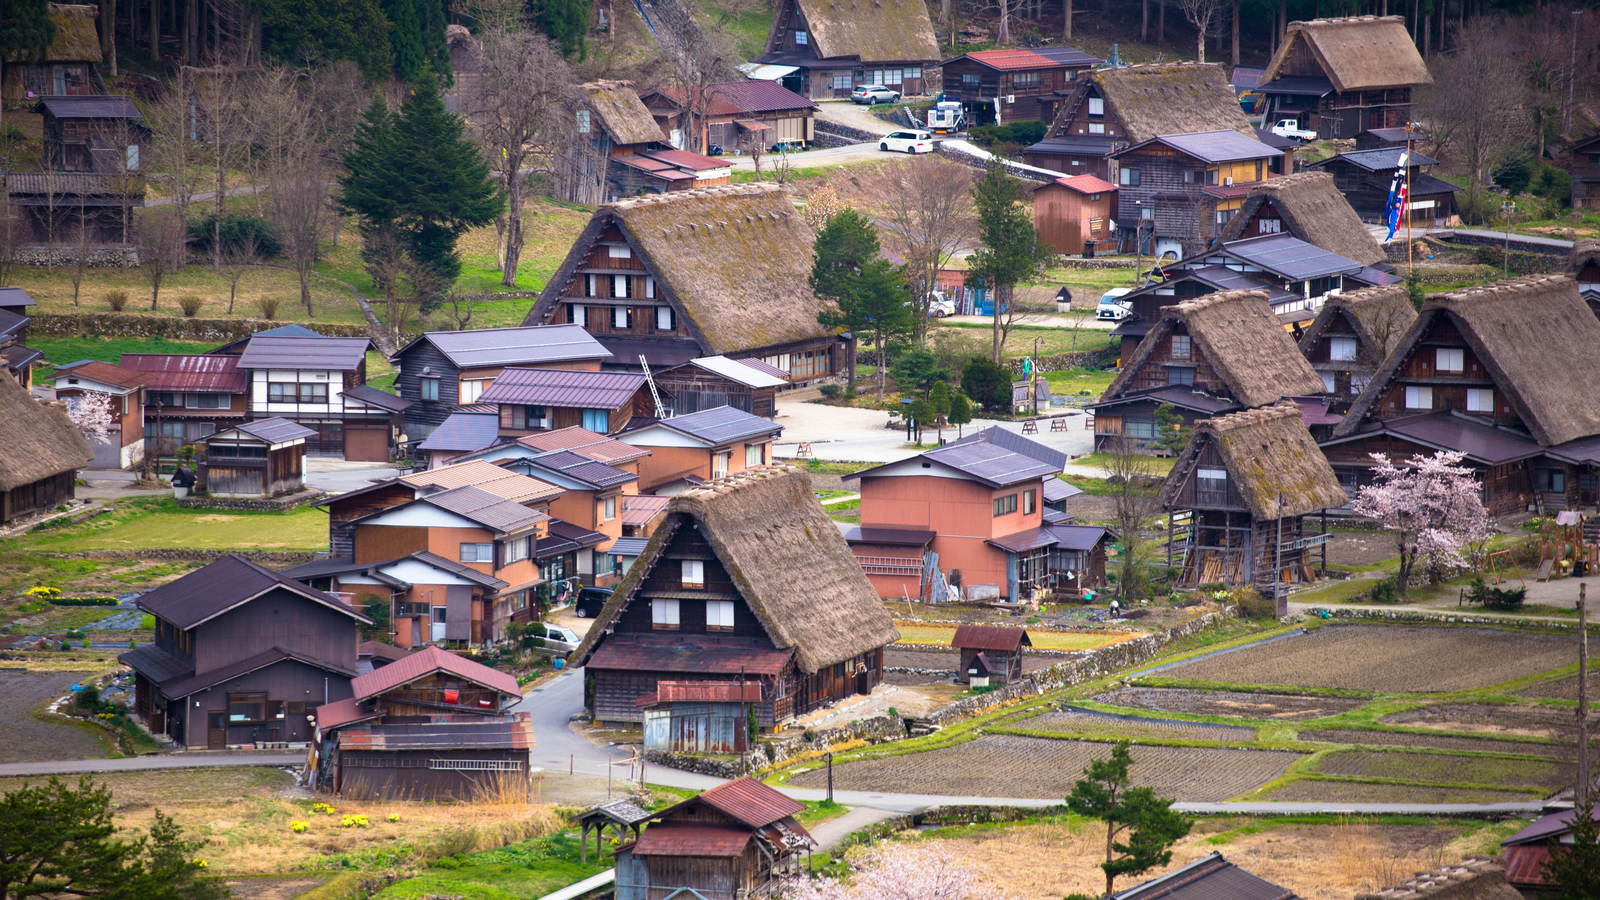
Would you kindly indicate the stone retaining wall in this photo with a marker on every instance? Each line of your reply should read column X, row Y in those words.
column 1408, row 615
column 264, row 557
column 99, row 257
column 174, row 328
column 850, row 134
column 275, row 504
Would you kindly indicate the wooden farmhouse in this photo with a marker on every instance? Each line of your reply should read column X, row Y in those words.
column 190, row 396
column 530, row 400
column 1364, row 177
column 1109, row 109
column 592, row 502
column 739, row 839
column 1237, row 501
column 430, row 725
column 1178, row 190
column 618, row 150
column 1582, row 162
column 822, row 50
column 43, row 452
column 1340, row 77
column 1527, row 852
column 16, row 356
column 720, row 271
column 124, row 443
column 1584, row 264
column 748, row 385
column 1353, row 334
column 715, row 598
column 1208, row 356
column 1207, row 879
column 999, row 647
column 1003, row 86
column 91, row 147
column 1076, row 215
column 242, row 656
column 305, row 379
column 739, row 116
column 262, row 458
column 687, row 451
column 68, row 66
column 1476, row 372
column 1308, row 206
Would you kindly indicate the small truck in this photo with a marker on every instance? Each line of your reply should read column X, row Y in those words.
column 1290, row 128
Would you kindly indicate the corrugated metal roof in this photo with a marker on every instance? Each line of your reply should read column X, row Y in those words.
column 892, row 537
column 584, row 442
column 692, row 839
column 751, row 802
column 513, row 732
column 761, row 365
column 720, row 425
column 155, row 664
column 11, row 322
column 343, row 712
column 18, row 357
column 488, row 510
column 15, row 296
column 103, row 372
column 1023, row 541
column 426, row 662
column 689, row 653
column 732, row 98
column 332, row 354
column 683, row 159
column 991, row 463
column 563, row 387
column 222, row 585
column 1219, row 146
column 1014, row 441
column 1444, row 430
column 502, row 483
column 276, row 430
column 371, row 396
column 1056, row 490
column 637, row 511
column 577, row 534
column 706, row 692
column 1290, row 257
column 1211, row 878
column 199, row 372
column 1042, row 58
column 464, row 431
column 739, row 371
column 990, row 637
column 1381, row 159
column 528, row 345
column 1086, row 184
column 625, row 811
column 659, row 354
column 628, row 546
column 1076, row 537
column 1525, row 865
column 591, row 473
column 1177, row 395
column 200, row 681
column 1075, row 144
column 98, row 106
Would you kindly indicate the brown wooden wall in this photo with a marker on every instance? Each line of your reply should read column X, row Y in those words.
column 279, row 618
column 36, row 496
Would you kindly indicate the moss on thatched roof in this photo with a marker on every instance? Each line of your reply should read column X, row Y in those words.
column 1242, row 340
column 622, row 113
column 1537, row 338
column 786, row 557
column 77, row 39
column 734, row 258
column 1585, row 252
column 1271, row 458
column 1380, row 316
column 879, row 31
column 1314, row 211
column 1361, row 53
column 1172, row 98
column 40, row 441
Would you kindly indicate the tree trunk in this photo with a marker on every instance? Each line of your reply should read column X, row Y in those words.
column 155, row 30
column 1109, row 857
column 1004, row 37
column 1066, row 6
column 1144, row 21
column 303, row 268
column 1283, row 21
column 1200, row 42
column 508, row 275
column 108, row 33
column 1234, row 18
column 1161, row 21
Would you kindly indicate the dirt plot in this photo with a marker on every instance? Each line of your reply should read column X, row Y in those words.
column 141, row 790
column 1494, row 718
column 1561, row 689
column 1011, row 766
column 272, row 888
column 1382, row 658
column 1229, row 703
column 28, row 739
column 1313, row 791
column 1117, row 726
column 1444, row 768
column 1436, row 742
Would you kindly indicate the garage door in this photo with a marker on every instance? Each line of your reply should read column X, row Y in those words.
column 366, row 444
column 107, row 450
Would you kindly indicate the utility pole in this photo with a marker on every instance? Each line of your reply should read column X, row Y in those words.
column 1581, row 795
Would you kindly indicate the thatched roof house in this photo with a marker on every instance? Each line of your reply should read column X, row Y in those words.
column 740, row 542
column 1271, row 460
column 825, row 48
column 42, row 452
column 1584, row 263
column 68, row 63
column 621, row 112
column 1343, row 76
column 1309, row 206
column 1354, row 332
column 717, row 271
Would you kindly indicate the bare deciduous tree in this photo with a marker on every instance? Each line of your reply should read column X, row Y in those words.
column 161, row 248
column 924, row 212
column 1131, row 475
column 240, row 256
column 13, row 233
column 217, row 104
column 81, row 233
column 176, row 153
column 698, row 60
column 1477, row 112
column 1202, row 14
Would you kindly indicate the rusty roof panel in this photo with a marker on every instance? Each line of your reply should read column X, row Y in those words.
column 751, row 802
column 103, row 372
column 426, row 662
column 692, row 839
column 990, row 637
column 702, row 692
column 584, row 442
column 637, row 511
column 199, row 372
column 513, row 732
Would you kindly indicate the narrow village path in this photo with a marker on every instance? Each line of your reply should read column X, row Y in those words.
column 198, row 760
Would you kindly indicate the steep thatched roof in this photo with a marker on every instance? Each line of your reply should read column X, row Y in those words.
column 1174, row 98
column 1242, row 340
column 880, row 31
column 40, row 441
column 1361, row 53
column 788, row 560
column 621, row 111
column 735, row 258
column 76, row 40
column 1380, row 315
column 1269, row 455
column 1585, row 252
column 1537, row 338
column 1314, row 211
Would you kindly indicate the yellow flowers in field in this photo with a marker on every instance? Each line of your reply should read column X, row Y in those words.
column 354, row 822
column 43, row 593
column 322, row 808
column 299, row 827
column 394, row 817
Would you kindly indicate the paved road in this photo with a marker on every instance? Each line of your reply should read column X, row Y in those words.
column 150, row 763
column 858, row 435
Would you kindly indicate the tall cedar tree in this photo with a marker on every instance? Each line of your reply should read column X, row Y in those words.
column 25, row 31
column 1147, row 821
column 865, row 292
column 416, row 36
column 566, row 22
column 294, row 31
column 1010, row 250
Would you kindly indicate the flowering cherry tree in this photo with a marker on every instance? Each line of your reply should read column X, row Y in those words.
column 899, row 872
column 93, row 413
column 1431, row 505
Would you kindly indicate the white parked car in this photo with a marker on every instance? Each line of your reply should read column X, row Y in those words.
column 560, row 637
column 940, row 306
column 1112, row 306
column 1290, row 128
column 907, row 142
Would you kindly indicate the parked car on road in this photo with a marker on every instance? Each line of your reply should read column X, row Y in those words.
column 868, row 94
column 559, row 637
column 907, row 142
column 1112, row 306
column 590, row 601
column 1290, row 128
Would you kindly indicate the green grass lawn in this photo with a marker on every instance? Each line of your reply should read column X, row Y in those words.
column 1020, row 342
column 1083, row 383
column 162, row 524
column 60, row 351
column 516, row 872
column 1158, row 465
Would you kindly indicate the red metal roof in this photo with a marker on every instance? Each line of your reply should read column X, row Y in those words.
column 683, row 159
column 990, row 637
column 1086, row 184
column 584, row 442
column 425, row 663
column 105, row 373
column 342, row 712
column 751, row 802
column 692, row 839
column 1011, row 59
column 655, row 167
column 199, row 372
column 701, row 692
column 638, row 510
column 1525, row 865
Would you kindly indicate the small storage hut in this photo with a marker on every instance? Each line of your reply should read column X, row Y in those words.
column 263, row 458
column 698, row 716
column 749, row 385
column 1238, row 497
column 1000, row 648
column 42, row 453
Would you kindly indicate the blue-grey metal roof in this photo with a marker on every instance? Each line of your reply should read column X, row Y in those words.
column 371, row 396
column 1290, row 257
column 95, row 106
column 1057, row 490
column 1211, row 878
column 1225, row 279
column 1074, row 144
column 529, row 345
column 275, row 430
column 1380, row 159
column 1219, row 146
column 563, row 387
column 1023, row 541
column 486, row 509
column 1375, row 277
column 1245, row 78
column 581, row 469
column 14, row 296
column 1016, row 443
column 991, row 463
column 721, row 425
column 10, row 322
column 1178, row 395
column 464, row 431
column 1481, row 441
column 301, row 352
column 628, row 546
column 1076, row 537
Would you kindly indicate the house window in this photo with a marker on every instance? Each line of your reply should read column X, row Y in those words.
column 694, row 572
column 1029, row 502
column 1211, row 176
column 663, row 614
column 483, row 553
column 516, row 550
column 664, row 319
column 1181, row 346
column 1097, row 106
column 1191, row 176
column 1223, row 215
column 206, row 401
column 1146, row 212
column 1269, row 226
column 1328, row 383
column 621, row 286
column 583, row 121
column 1358, row 383
column 622, row 318
column 616, row 251
column 1025, row 80
column 752, row 455
column 807, row 363
column 719, row 615
column 1447, row 359
column 719, row 464
column 801, row 39
column 1097, row 128
column 1005, row 506
column 313, row 393
column 969, row 81
column 1480, row 400
column 650, row 287
column 1180, row 375
column 524, row 417
column 470, row 391
column 279, row 392
column 892, row 77
column 1419, row 398
column 1136, row 429
column 608, row 509
column 913, row 71
column 1211, row 485
column 841, row 81
column 428, row 388
column 589, row 289
column 1341, row 349
column 1555, row 481
column 597, row 421
column 247, row 707
column 1130, row 176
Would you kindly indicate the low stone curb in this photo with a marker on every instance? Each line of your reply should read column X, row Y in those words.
column 276, row 504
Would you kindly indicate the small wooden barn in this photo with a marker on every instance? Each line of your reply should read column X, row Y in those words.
column 68, row 66
column 749, row 385
column 1238, row 498
column 41, row 456
column 737, row 840
column 698, row 716
column 263, row 458
column 998, row 646
column 1076, row 215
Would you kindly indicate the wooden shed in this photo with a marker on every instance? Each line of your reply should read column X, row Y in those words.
column 1075, row 215
column 68, row 64
column 1000, row 648
column 263, row 458
column 698, row 716
column 749, row 385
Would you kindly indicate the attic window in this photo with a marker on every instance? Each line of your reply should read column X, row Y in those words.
column 801, row 39
column 1448, row 359
column 663, row 614
column 1181, row 346
column 1211, row 484
column 694, row 573
column 1097, row 106
column 620, row 252
column 1341, row 349
column 1269, row 226
column 583, row 121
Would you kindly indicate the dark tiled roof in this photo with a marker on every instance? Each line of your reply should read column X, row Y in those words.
column 1273, row 140
column 486, row 509
column 11, row 322
column 1381, row 159
column 1023, row 541
column 660, row 354
column 1299, row 85
column 199, row 681
column 222, row 585
column 577, row 534
column 426, row 662
column 721, row 425
column 563, row 387
column 581, row 469
column 1211, row 878
column 513, row 732
column 1445, row 430
column 689, row 653
column 98, row 106
column 15, row 296
column 18, row 357
column 201, row 372
column 464, row 431
column 1076, row 537
column 530, row 345
column 275, row 430
column 308, row 353
column 1181, row 397
column 989, row 637
column 1075, row 145
column 1219, row 146
column 1056, row 490
column 892, row 537
column 1290, row 257
column 371, row 396
column 156, row 664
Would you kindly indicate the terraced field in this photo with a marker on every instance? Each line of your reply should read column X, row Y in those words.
column 1229, row 703
column 1077, row 722
column 1310, row 791
column 1491, row 718
column 1448, row 769
column 1437, row 742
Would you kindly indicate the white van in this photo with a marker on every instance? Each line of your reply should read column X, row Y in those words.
column 1112, row 306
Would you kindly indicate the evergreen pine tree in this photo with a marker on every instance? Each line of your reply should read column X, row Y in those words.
column 26, row 31
column 866, row 292
column 367, row 185
column 566, row 22
column 960, row 412
column 405, row 38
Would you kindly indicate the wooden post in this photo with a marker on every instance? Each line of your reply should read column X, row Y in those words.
column 1581, row 796
column 830, row 777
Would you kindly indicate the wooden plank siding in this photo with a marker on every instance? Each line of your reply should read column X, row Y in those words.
column 35, row 496
column 1173, row 183
column 1033, row 91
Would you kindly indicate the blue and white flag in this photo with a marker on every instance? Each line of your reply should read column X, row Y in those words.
column 1398, row 190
